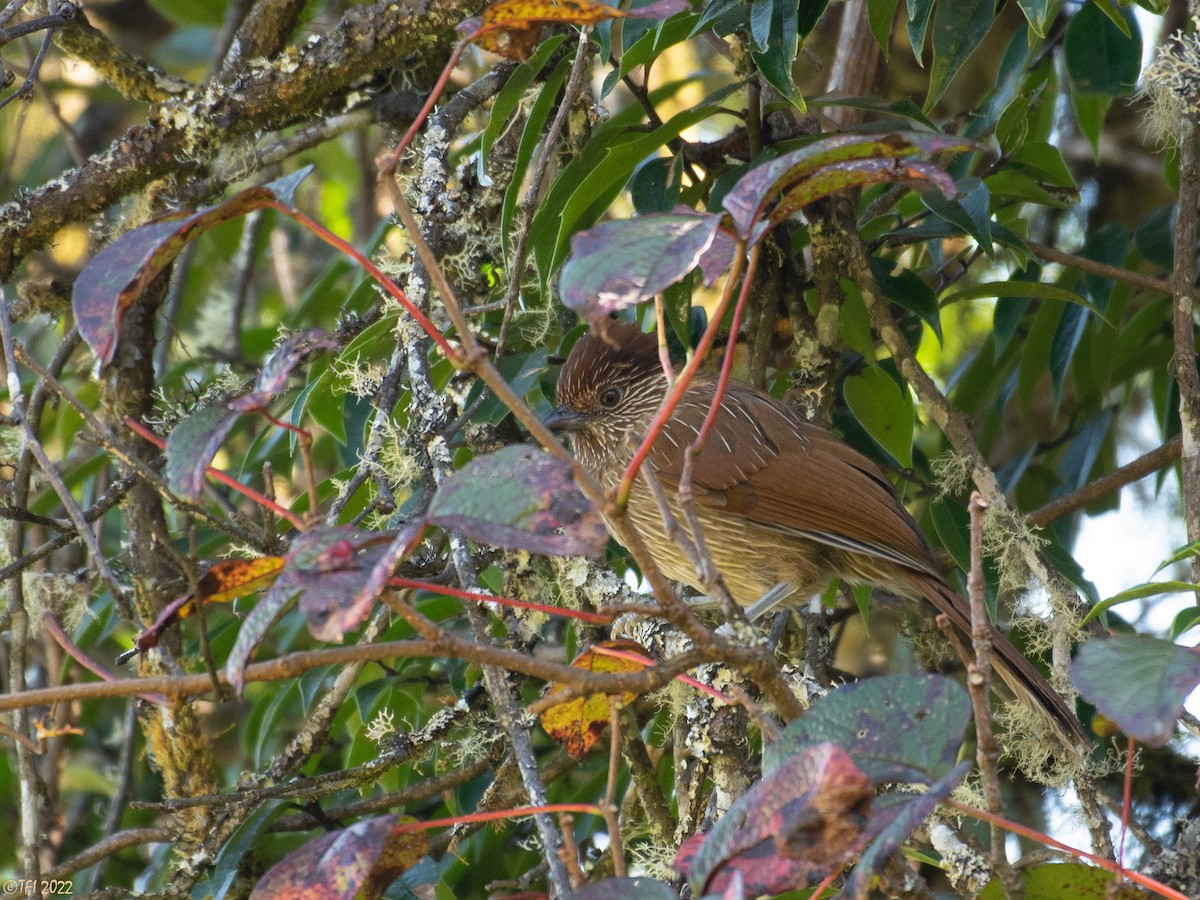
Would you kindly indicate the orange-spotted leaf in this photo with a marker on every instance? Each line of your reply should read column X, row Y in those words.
column 578, row 724
column 222, row 583
column 359, row 861
column 513, row 28
column 233, row 578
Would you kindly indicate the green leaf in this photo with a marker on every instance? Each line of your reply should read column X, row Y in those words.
column 1185, row 620
column 1036, row 289
column 958, row 29
column 1066, row 881
column 505, row 104
column 588, row 184
column 880, row 16
column 1138, row 681
column 884, row 409
column 970, row 210
column 1046, row 159
column 531, row 136
column 919, row 12
column 1102, row 58
column 1188, row 551
column 1140, row 592
column 1037, row 14
column 775, row 62
column 907, row 290
column 1090, row 112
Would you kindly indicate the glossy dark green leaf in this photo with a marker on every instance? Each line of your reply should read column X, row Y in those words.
column 655, row 185
column 970, row 210
column 1156, row 677
column 904, row 728
column 1090, row 112
column 1154, row 237
column 958, row 29
column 1100, row 58
column 885, row 410
column 775, row 61
column 520, row 498
column 906, row 289
column 919, row 13
column 881, row 14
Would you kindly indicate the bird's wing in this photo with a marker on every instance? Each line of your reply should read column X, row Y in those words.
column 762, row 461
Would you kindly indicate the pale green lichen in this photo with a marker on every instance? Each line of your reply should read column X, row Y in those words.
column 1171, row 83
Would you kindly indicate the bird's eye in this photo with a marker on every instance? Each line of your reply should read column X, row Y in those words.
column 610, row 397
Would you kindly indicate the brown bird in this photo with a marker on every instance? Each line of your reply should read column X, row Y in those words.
column 781, row 501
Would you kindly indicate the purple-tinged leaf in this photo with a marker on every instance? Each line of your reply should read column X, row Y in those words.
column 192, row 446
column 117, row 275
column 906, row 813
column 283, row 360
column 1155, row 679
column 758, row 187
column 328, row 567
column 521, row 498
column 618, row 264
column 799, row 823
column 336, row 602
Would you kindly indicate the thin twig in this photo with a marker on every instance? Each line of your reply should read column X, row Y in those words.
column 979, row 678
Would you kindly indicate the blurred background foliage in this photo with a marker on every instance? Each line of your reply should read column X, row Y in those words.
column 1065, row 373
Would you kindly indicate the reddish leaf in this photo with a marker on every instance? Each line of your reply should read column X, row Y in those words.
column 789, row 830
column 356, row 862
column 758, row 187
column 328, row 566
column 192, row 446
column 577, row 724
column 620, row 263
column 117, row 275
column 523, row 498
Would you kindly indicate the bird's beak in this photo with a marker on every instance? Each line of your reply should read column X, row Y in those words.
column 564, row 419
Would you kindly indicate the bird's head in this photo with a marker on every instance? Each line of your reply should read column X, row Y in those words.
column 610, row 385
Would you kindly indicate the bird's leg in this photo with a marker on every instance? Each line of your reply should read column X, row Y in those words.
column 769, row 601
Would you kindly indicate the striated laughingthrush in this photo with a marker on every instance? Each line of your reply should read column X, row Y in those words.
column 781, row 501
